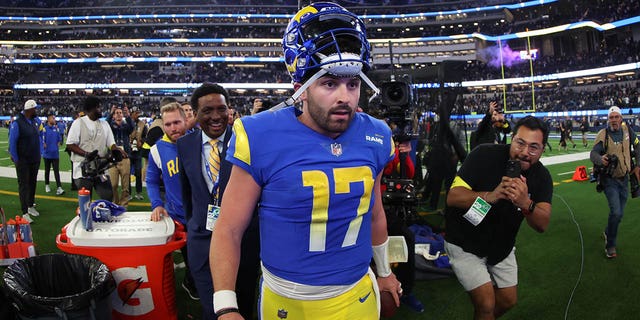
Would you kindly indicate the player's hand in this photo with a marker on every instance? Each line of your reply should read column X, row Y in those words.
column 157, row 213
column 392, row 285
column 231, row 316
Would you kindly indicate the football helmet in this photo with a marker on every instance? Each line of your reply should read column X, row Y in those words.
column 325, row 36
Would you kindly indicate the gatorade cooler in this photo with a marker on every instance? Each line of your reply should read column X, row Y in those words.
column 137, row 251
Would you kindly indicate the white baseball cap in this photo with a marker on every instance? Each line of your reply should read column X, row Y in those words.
column 614, row 109
column 30, row 104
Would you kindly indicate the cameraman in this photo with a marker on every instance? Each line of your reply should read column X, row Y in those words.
column 615, row 142
column 89, row 135
column 120, row 174
column 396, row 222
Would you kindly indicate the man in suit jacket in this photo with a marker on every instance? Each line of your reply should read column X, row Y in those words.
column 202, row 189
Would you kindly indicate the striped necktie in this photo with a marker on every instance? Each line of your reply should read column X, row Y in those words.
column 214, row 160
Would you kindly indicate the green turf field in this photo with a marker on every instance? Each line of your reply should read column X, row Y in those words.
column 550, row 263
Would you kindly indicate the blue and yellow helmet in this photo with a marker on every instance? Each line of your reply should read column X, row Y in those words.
column 325, row 36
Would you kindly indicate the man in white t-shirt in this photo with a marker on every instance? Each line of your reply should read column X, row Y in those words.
column 86, row 135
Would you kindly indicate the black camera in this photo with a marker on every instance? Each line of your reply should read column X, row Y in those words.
column 93, row 166
column 608, row 170
column 513, row 168
column 397, row 104
column 399, row 192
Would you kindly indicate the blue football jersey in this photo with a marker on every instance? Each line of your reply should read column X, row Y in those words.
column 317, row 193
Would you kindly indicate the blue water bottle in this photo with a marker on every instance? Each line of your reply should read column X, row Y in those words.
column 84, row 200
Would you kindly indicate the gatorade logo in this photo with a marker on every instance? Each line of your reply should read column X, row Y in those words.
column 132, row 296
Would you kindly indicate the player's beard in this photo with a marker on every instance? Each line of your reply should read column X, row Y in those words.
column 325, row 119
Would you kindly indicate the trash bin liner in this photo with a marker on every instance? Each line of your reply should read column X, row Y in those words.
column 60, row 286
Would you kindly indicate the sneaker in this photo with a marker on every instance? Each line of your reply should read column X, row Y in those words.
column 190, row 289
column 611, row 252
column 412, row 302
column 27, row 217
column 32, row 211
column 139, row 197
column 59, row 192
column 47, row 189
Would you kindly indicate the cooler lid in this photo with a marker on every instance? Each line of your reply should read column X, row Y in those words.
column 131, row 229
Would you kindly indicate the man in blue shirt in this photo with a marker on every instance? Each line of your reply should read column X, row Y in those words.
column 121, row 126
column 51, row 140
column 24, row 147
column 163, row 167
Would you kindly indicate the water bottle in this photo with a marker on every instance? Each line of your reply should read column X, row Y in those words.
column 25, row 229
column 12, row 232
column 84, row 200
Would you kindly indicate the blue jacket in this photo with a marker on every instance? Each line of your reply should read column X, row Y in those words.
column 51, row 139
column 196, row 195
column 24, row 139
column 166, row 170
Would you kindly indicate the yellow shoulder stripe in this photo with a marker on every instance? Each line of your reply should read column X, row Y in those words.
column 242, row 152
column 458, row 182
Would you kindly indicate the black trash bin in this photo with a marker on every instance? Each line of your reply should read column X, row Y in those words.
column 59, row 286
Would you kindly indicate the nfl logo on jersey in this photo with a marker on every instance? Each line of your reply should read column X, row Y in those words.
column 282, row 314
column 336, row 149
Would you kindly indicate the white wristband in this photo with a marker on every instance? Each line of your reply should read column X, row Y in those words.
column 224, row 299
column 381, row 258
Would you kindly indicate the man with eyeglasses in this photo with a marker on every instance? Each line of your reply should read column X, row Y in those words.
column 497, row 187
column 615, row 140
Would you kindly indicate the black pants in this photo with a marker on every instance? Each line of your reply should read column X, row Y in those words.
column 103, row 188
column 27, row 174
column 48, row 163
column 74, row 184
column 136, row 167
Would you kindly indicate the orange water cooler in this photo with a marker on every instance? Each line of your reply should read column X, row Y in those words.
column 137, row 251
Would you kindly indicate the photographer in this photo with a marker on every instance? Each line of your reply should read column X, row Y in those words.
column 90, row 136
column 120, row 174
column 496, row 188
column 493, row 128
column 611, row 154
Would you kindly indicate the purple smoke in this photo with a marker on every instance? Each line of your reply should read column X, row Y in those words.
column 491, row 55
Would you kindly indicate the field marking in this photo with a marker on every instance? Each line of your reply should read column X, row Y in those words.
column 67, row 199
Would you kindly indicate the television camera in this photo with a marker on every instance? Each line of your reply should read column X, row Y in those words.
column 93, row 165
column 397, row 105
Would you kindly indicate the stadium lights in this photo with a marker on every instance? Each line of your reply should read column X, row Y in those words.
column 287, row 86
column 267, row 15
